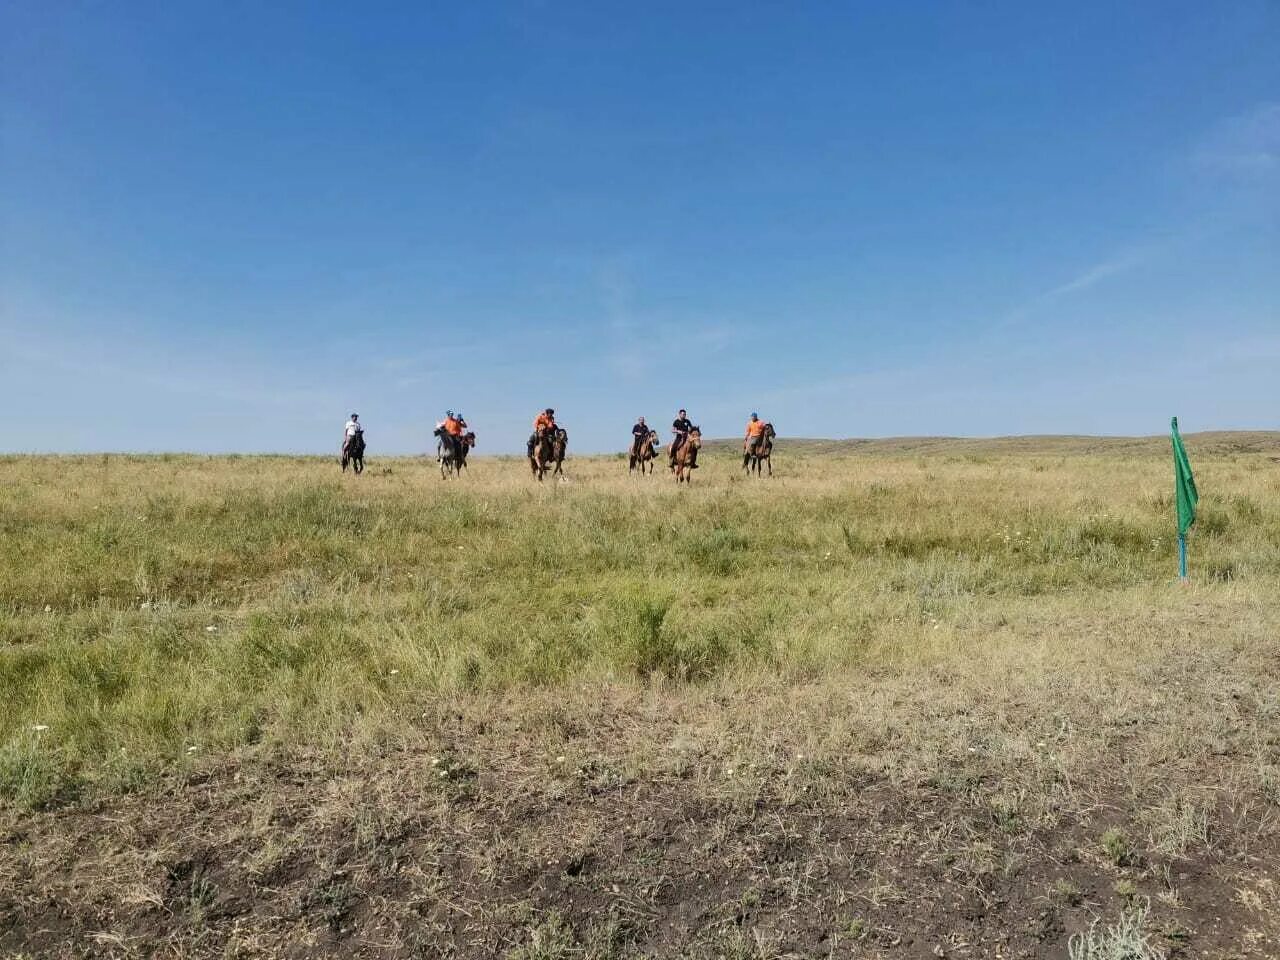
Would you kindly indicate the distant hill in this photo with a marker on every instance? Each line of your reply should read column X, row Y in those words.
column 1209, row 442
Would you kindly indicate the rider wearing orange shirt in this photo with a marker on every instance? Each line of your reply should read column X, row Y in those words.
column 543, row 423
column 755, row 430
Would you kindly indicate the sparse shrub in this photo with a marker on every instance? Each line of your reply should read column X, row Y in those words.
column 1118, row 848
column 1179, row 826
column 1126, row 939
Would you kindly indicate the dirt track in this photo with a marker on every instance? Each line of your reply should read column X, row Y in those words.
column 472, row 850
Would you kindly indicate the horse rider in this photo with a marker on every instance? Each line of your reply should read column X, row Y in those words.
column 349, row 430
column 755, row 433
column 453, row 424
column 681, row 426
column 451, row 427
column 543, row 423
column 639, row 436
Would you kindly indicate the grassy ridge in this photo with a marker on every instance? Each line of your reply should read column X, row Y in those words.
column 158, row 609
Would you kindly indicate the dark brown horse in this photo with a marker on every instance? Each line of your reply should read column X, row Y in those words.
column 644, row 451
column 468, row 441
column 686, row 453
column 761, row 452
column 353, row 452
column 546, row 451
column 559, row 446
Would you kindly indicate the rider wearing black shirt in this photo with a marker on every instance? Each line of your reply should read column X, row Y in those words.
column 681, row 427
column 639, row 434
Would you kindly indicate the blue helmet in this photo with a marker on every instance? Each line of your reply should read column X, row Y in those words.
column 756, row 415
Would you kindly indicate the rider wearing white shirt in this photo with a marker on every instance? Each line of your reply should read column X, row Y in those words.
column 351, row 429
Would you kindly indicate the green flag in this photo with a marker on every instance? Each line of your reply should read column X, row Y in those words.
column 1184, row 483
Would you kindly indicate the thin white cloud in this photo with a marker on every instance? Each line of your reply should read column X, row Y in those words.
column 1114, row 266
column 1243, row 146
column 1121, row 263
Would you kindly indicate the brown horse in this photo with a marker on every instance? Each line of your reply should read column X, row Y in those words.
column 760, row 453
column 546, row 450
column 540, row 453
column 644, row 451
column 685, row 455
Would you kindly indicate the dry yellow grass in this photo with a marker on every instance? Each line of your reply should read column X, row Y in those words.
column 985, row 645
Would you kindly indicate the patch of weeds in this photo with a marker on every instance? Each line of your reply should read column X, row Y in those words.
column 857, row 929
column 1126, row 939
column 551, row 939
column 1246, row 509
column 469, row 672
column 734, row 943
column 32, row 774
column 612, row 937
column 1182, row 826
column 1223, row 572
column 856, row 546
column 1118, row 849
column 1068, row 891
column 332, row 901
column 1212, row 520
column 455, row 774
column 719, row 551
column 1126, row 890
column 1269, row 780
column 1005, row 814
column 191, row 890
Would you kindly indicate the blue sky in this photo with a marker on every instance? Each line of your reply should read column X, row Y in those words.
column 225, row 226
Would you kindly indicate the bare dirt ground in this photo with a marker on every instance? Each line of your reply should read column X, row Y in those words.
column 633, row 824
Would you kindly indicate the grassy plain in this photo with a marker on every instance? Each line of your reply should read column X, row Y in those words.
column 904, row 698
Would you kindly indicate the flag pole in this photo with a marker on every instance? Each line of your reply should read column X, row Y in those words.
column 1185, row 496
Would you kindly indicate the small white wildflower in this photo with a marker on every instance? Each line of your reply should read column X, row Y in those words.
column 211, row 629
column 192, row 749
column 394, row 672
column 48, row 609
column 40, row 727
column 559, row 759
